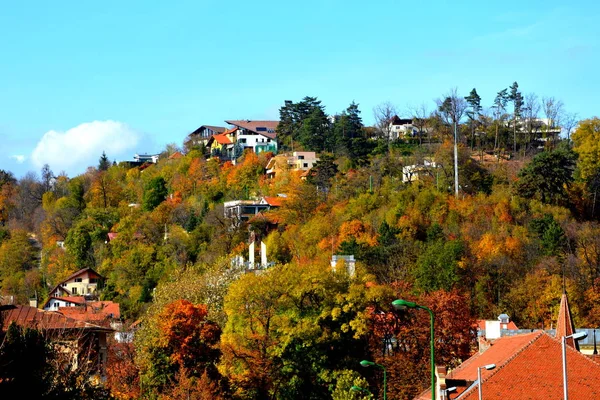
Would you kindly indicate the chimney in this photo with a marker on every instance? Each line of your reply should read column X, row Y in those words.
column 440, row 382
column 484, row 344
column 33, row 303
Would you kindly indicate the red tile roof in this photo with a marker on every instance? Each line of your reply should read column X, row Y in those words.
column 255, row 126
column 531, row 371
column 31, row 317
column 93, row 311
column 175, row 156
column 274, row 201
column 222, row 138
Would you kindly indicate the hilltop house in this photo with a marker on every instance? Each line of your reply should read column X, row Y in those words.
column 83, row 282
column 258, row 136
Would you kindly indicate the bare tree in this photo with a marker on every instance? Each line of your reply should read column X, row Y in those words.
column 420, row 115
column 553, row 110
column 569, row 122
column 452, row 109
column 383, row 114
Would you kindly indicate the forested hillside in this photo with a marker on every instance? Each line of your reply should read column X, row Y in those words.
column 523, row 228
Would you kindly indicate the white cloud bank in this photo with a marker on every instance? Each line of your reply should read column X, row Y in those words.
column 80, row 147
column 19, row 158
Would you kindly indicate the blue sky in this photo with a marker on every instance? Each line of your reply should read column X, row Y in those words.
column 79, row 77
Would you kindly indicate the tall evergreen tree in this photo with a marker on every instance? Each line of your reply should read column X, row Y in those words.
column 517, row 99
column 474, row 102
column 103, row 163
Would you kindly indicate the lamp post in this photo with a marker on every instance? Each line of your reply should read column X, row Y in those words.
column 575, row 336
column 445, row 392
column 398, row 305
column 488, row 367
column 366, row 363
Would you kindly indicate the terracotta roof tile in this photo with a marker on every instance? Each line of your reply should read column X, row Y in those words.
column 31, row 317
column 535, row 372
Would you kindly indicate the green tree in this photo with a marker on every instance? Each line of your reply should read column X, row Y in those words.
column 103, row 162
column 474, row 112
column 291, row 119
column 315, row 130
column 155, row 192
column 437, row 266
column 548, row 176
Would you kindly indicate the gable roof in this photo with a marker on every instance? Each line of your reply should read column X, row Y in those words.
column 401, row 121
column 265, row 128
column 564, row 325
column 530, row 367
column 217, row 129
column 31, row 317
column 80, row 272
column 222, row 138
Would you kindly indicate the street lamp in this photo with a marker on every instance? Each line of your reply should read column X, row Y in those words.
column 399, row 304
column 366, row 363
column 359, row 389
column 488, row 367
column 445, row 392
column 575, row 336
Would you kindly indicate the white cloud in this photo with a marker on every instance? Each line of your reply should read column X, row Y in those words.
column 79, row 147
column 19, row 158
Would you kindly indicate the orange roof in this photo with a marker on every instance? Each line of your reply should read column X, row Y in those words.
column 274, row 201
column 530, row 367
column 31, row 317
column 175, row 156
column 222, row 138
column 93, row 311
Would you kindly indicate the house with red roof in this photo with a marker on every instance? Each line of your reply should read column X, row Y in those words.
column 80, row 341
column 527, row 366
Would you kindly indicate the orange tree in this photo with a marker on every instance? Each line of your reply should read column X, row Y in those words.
column 176, row 344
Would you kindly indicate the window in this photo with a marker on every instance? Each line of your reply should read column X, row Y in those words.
column 55, row 305
column 63, row 285
column 261, row 129
column 93, row 280
column 305, row 165
column 74, row 290
column 89, row 290
column 78, row 280
column 300, row 157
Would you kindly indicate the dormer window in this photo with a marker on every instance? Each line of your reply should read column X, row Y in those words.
column 77, row 280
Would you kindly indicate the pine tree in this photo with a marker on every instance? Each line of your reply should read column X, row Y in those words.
column 103, row 163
